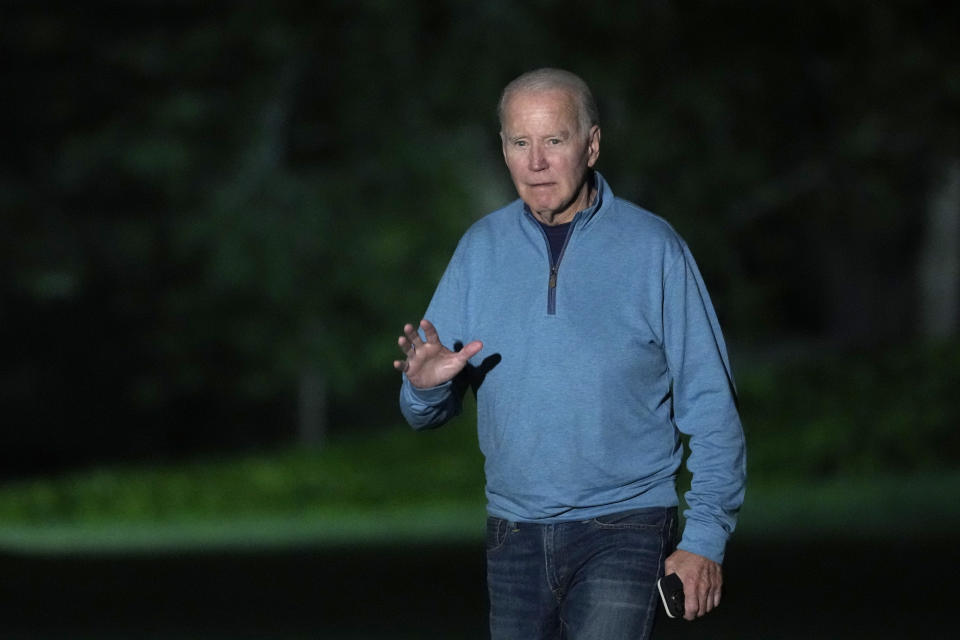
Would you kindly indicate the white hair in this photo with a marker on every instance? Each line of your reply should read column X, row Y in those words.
column 548, row 79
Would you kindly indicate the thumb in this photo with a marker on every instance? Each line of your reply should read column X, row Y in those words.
column 470, row 349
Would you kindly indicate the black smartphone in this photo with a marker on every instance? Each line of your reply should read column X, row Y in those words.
column 671, row 592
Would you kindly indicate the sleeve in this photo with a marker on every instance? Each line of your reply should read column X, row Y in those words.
column 428, row 408
column 433, row 407
column 705, row 408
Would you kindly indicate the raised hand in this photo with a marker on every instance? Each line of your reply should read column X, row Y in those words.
column 428, row 363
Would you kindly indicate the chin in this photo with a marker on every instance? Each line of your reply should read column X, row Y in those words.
column 542, row 204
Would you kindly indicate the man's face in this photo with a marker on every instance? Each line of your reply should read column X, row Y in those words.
column 547, row 154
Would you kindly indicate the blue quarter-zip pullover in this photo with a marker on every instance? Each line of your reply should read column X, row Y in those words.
column 590, row 370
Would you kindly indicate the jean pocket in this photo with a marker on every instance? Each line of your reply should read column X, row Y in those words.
column 497, row 530
column 654, row 518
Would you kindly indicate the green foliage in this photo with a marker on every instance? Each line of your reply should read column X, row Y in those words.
column 853, row 413
column 865, row 414
column 206, row 200
column 392, row 469
column 896, row 505
column 861, row 442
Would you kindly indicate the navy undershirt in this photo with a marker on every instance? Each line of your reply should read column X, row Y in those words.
column 556, row 235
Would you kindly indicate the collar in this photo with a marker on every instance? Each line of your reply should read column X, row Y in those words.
column 597, row 183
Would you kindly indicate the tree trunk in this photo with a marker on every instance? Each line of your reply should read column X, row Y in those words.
column 312, row 409
column 940, row 258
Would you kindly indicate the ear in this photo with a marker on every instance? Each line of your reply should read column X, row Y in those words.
column 593, row 145
column 503, row 146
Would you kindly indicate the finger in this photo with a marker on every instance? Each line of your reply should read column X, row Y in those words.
column 405, row 345
column 707, row 605
column 716, row 589
column 694, row 600
column 704, row 599
column 429, row 331
column 709, row 599
column 400, row 365
column 470, row 349
column 691, row 608
column 689, row 602
column 412, row 335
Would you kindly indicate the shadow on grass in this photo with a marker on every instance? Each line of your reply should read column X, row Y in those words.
column 826, row 588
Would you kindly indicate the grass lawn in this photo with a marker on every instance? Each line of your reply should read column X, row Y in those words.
column 283, row 544
column 392, row 486
column 300, row 544
column 835, row 443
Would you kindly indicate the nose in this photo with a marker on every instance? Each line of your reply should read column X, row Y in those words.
column 537, row 159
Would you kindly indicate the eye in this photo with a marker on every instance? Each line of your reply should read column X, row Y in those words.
column 554, row 141
column 519, row 143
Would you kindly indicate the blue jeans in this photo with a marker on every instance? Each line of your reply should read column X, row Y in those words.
column 588, row 580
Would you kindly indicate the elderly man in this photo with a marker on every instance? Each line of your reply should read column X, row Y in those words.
column 583, row 325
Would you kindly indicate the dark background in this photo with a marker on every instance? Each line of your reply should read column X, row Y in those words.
column 216, row 216
column 212, row 210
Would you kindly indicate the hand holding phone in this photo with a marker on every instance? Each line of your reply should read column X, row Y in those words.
column 671, row 593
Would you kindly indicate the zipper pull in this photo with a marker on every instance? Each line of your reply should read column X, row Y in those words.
column 553, row 277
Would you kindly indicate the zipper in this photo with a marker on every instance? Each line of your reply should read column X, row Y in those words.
column 552, row 291
column 554, row 270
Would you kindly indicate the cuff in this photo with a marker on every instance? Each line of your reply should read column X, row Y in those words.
column 707, row 541
column 428, row 395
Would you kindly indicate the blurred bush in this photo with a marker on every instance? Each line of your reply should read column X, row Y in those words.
column 209, row 207
column 870, row 414
column 386, row 469
column 857, row 412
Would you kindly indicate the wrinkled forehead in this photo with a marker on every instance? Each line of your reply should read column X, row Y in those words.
column 524, row 104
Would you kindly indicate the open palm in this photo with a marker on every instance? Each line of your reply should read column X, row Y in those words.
column 428, row 363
